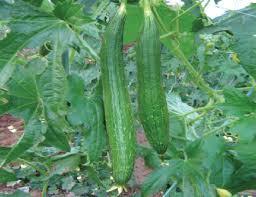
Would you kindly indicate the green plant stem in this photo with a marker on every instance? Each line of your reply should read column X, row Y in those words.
column 178, row 138
column 198, row 80
column 45, row 188
column 197, row 118
column 178, row 23
column 169, row 34
column 166, row 194
column 3, row 89
column 186, row 11
column 207, row 3
column 159, row 20
column 124, row 1
column 204, row 109
column 220, row 127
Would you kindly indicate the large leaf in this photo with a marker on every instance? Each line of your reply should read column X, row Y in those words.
column 3, row 152
column 53, row 90
column 29, row 92
column 222, row 170
column 30, row 27
column 95, row 135
column 242, row 26
column 189, row 176
column 23, row 95
column 242, row 179
column 6, row 176
column 89, row 113
column 77, row 100
column 246, row 153
column 160, row 178
column 71, row 12
column 237, row 103
column 57, row 131
column 65, row 164
column 242, row 106
column 53, row 86
column 245, row 128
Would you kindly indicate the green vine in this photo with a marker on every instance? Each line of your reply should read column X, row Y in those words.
column 198, row 80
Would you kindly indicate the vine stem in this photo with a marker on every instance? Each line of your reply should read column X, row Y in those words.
column 199, row 81
column 124, row 1
column 45, row 188
column 186, row 11
column 170, row 189
column 220, row 127
column 209, row 106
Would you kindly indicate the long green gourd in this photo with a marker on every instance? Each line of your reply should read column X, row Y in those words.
column 118, row 113
column 152, row 103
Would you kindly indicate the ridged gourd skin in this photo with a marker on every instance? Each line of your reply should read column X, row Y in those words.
column 152, row 103
column 118, row 112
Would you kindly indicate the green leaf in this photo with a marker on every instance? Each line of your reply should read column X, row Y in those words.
column 245, row 128
column 31, row 27
column 71, row 12
column 187, row 173
column 242, row 179
column 194, row 182
column 35, row 3
column 89, row 113
column 23, row 95
column 6, row 176
column 221, row 172
column 212, row 148
column 33, row 135
column 240, row 25
column 57, row 131
column 53, row 84
column 93, row 174
column 3, row 152
column 237, row 103
column 183, row 24
column 95, row 135
column 65, row 164
column 246, row 153
column 177, row 125
column 159, row 178
column 76, row 97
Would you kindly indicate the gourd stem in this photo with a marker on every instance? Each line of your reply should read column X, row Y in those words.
column 198, row 80
column 146, row 7
column 124, row 1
